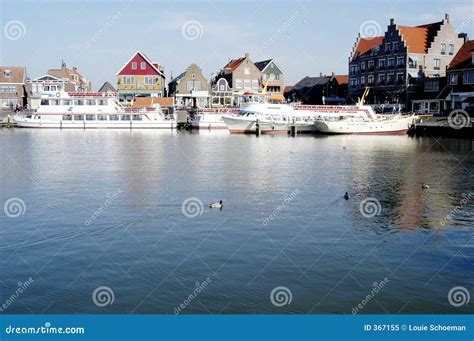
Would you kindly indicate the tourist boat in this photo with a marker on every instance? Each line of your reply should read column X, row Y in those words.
column 210, row 119
column 365, row 122
column 83, row 110
column 257, row 114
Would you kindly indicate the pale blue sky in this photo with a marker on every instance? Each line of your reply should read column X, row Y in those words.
column 304, row 37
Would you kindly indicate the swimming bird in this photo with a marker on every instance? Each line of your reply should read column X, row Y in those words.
column 216, row 204
column 425, row 186
column 346, row 196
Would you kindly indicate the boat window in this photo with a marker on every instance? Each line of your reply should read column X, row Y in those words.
column 79, row 102
column 113, row 118
column 102, row 102
column 90, row 102
column 54, row 102
column 102, row 117
column 66, row 102
column 28, row 116
column 44, row 102
column 67, row 118
column 125, row 118
column 137, row 117
column 90, row 117
column 78, row 117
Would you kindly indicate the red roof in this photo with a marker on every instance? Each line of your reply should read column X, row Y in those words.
column 342, row 79
column 365, row 45
column 138, row 58
column 234, row 63
column 463, row 58
column 416, row 38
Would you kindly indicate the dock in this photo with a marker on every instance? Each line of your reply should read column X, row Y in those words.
column 439, row 126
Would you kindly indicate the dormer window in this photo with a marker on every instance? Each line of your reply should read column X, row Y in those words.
column 7, row 73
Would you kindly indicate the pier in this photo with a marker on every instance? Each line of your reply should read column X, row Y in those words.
column 439, row 126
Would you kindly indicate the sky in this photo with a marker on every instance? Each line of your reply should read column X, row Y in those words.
column 305, row 37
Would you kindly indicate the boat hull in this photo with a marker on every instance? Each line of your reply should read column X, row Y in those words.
column 26, row 123
column 378, row 127
column 237, row 125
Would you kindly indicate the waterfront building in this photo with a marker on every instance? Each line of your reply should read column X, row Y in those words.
column 45, row 85
column 140, row 77
column 319, row 90
column 394, row 65
column 460, row 75
column 273, row 78
column 107, row 88
column 166, row 103
column 13, row 92
column 74, row 81
column 240, row 75
column 190, row 88
column 431, row 99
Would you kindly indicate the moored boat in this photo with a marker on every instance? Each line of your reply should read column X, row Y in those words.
column 210, row 119
column 91, row 110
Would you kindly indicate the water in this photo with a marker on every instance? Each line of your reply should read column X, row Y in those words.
column 104, row 208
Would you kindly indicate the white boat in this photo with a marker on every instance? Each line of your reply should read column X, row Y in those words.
column 210, row 119
column 382, row 124
column 84, row 110
column 256, row 113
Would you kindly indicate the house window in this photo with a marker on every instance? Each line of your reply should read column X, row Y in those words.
column 74, row 78
column 468, row 77
column 247, row 83
column 362, row 66
column 412, row 62
column 143, row 65
column 387, row 47
column 197, row 85
column 390, row 78
column 7, row 73
column 370, row 64
column 362, row 80
column 134, row 65
column 264, row 77
column 149, row 80
column 437, row 64
column 391, row 62
column 189, row 86
column 370, row 79
column 381, row 78
column 255, row 84
column 400, row 60
column 400, row 78
column 451, row 49
column 395, row 45
column 238, row 83
column 247, row 70
column 443, row 48
column 382, row 62
column 277, row 76
column 128, row 80
column 453, row 80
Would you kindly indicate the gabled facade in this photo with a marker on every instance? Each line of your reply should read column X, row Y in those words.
column 241, row 75
column 46, row 85
column 139, row 76
column 107, row 88
column 190, row 88
column 13, row 87
column 74, row 81
column 319, row 90
column 273, row 78
column 460, row 77
column 394, row 65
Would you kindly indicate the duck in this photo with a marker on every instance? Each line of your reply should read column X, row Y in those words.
column 216, row 204
column 425, row 186
column 347, row 196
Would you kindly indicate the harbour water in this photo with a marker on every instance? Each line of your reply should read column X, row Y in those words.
column 105, row 209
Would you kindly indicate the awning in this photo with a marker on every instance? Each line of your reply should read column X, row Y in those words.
column 278, row 97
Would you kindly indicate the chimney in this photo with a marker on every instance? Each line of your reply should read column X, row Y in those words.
column 63, row 64
column 320, row 74
column 74, row 68
column 333, row 74
column 246, row 55
column 446, row 17
column 463, row 36
column 392, row 21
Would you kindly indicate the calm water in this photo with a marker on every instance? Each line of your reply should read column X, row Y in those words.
column 104, row 208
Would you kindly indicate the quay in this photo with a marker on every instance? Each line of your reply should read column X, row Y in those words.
column 439, row 126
